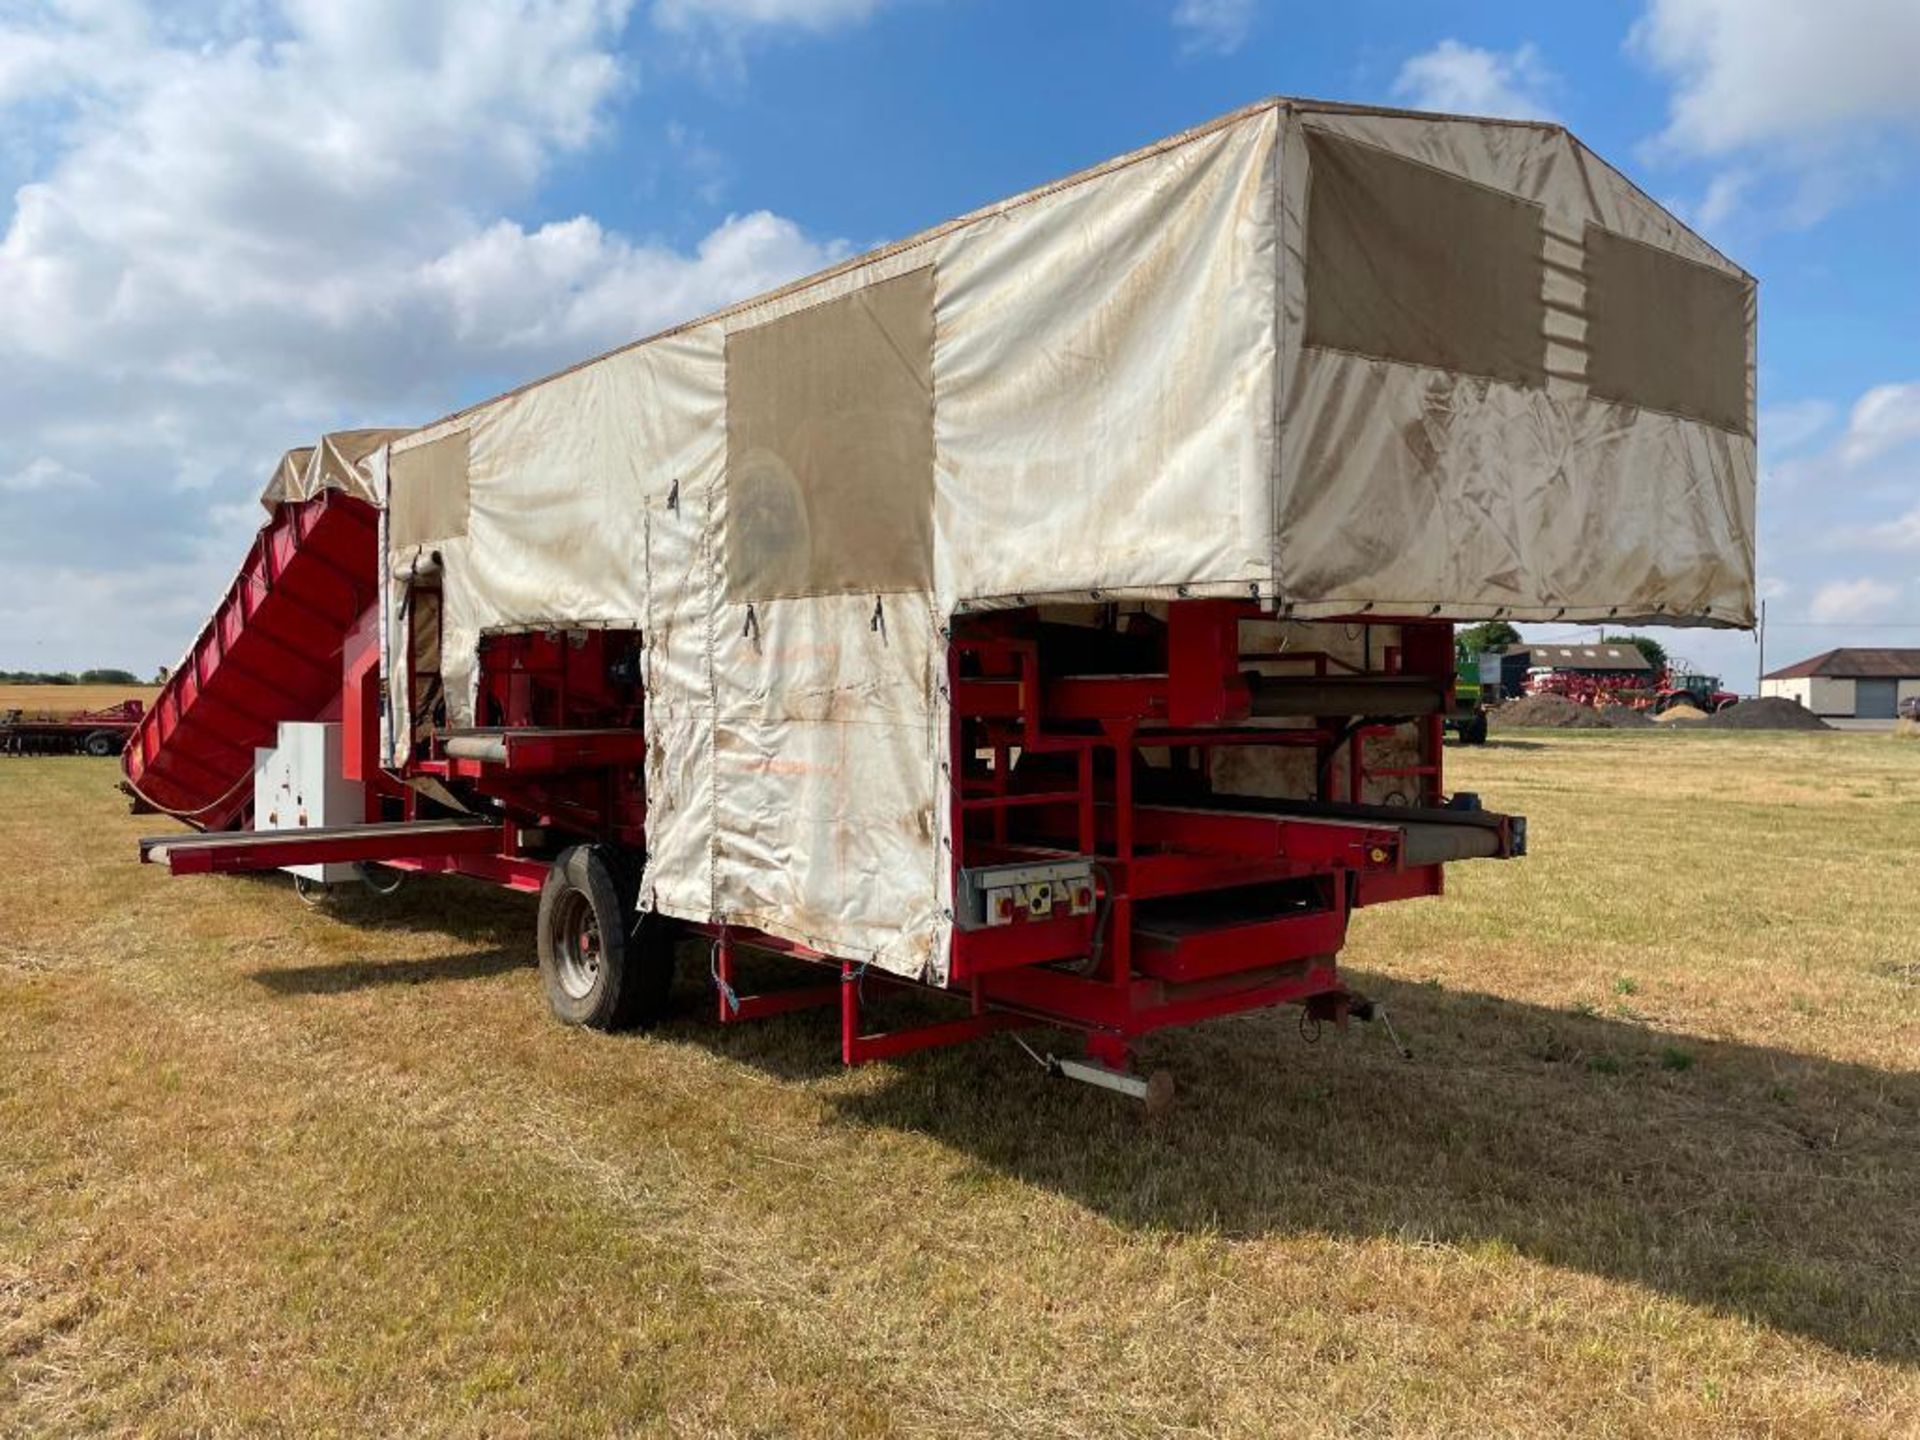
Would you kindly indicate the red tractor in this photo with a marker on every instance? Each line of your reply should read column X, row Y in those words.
column 1681, row 686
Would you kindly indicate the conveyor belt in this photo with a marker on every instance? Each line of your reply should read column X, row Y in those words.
column 1431, row 844
column 1431, row 835
column 242, row 850
column 535, row 748
column 1281, row 695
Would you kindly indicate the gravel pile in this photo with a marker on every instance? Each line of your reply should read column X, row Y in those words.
column 1556, row 712
column 1547, row 712
column 1768, row 713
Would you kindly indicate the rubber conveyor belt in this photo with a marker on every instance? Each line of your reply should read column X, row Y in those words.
column 241, row 850
column 1433, row 836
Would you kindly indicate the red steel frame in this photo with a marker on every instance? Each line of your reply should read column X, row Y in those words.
column 564, row 764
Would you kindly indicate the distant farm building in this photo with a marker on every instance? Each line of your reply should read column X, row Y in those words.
column 1621, row 665
column 1849, row 684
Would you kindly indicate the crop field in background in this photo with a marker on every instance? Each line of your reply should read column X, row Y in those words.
column 1654, row 1169
column 66, row 699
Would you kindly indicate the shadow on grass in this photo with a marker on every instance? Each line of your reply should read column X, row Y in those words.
column 1756, row 1182
column 471, row 910
column 346, row 975
column 1773, row 1186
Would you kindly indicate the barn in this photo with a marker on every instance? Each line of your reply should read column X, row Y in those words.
column 1864, row 684
column 1605, row 662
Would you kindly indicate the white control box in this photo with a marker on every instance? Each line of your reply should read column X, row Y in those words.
column 297, row 785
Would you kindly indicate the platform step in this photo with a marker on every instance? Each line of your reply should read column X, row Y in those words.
column 1198, row 937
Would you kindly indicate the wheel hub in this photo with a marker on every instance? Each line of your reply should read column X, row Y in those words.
column 577, row 946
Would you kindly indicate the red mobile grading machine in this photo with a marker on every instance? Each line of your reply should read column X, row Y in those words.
column 1053, row 610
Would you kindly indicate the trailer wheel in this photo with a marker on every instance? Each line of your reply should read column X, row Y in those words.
column 381, row 880
column 102, row 743
column 1473, row 731
column 600, row 967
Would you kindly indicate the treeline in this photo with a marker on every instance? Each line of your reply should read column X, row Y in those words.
column 67, row 677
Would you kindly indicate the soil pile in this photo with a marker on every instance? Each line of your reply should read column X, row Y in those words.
column 1681, row 713
column 1771, row 712
column 1625, row 717
column 1548, row 712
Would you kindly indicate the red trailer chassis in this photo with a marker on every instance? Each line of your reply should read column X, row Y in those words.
column 1103, row 883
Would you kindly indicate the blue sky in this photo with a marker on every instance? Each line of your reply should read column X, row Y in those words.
column 231, row 225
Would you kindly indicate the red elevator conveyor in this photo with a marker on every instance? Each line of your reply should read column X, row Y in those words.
column 270, row 652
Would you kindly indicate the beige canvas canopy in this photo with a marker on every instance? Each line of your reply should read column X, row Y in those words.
column 334, row 462
column 1342, row 361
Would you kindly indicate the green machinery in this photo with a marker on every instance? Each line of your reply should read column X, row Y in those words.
column 1468, row 717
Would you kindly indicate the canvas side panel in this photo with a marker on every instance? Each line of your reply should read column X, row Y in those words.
column 1414, row 488
column 826, row 776
column 679, row 427
column 1103, row 374
column 555, row 530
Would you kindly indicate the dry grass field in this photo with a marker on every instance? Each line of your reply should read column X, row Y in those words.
column 67, row 699
column 1654, row 1169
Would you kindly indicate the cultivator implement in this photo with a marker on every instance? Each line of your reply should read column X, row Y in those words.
column 88, row 732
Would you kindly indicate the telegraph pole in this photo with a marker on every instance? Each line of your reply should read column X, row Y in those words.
column 1760, row 679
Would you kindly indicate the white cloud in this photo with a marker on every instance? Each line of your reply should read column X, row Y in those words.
column 1785, row 428
column 1217, row 27
column 42, row 473
column 1753, row 72
column 1794, row 98
column 234, row 239
column 1885, row 417
column 799, row 14
column 1862, row 599
column 1839, row 526
column 553, row 290
column 1901, row 533
column 704, row 167
column 1724, row 196
column 1466, row 80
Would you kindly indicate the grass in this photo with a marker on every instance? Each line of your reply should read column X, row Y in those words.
column 69, row 699
column 268, row 1169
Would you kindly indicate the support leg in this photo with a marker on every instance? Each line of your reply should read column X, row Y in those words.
column 1109, row 1065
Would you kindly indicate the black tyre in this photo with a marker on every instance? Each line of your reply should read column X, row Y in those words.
column 1474, row 730
column 381, row 880
column 103, row 743
column 600, row 966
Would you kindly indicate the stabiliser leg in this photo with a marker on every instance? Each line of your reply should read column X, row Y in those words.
column 1107, row 1067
